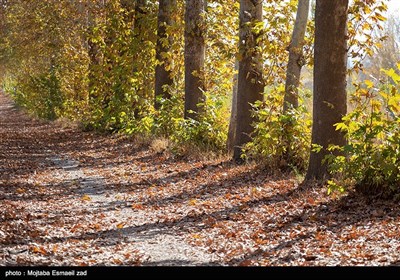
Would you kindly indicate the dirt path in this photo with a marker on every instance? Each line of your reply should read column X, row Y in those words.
column 74, row 198
column 67, row 200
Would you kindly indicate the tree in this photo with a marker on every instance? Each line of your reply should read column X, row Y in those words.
column 233, row 119
column 296, row 59
column 3, row 33
column 194, row 57
column 329, row 101
column 163, row 74
column 250, row 78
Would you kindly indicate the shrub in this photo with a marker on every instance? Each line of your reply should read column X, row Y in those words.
column 371, row 160
column 280, row 140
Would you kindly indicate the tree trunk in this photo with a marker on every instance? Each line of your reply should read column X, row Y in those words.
column 92, row 49
column 139, row 14
column 163, row 76
column 233, row 119
column 296, row 59
column 194, row 57
column 329, row 105
column 250, row 81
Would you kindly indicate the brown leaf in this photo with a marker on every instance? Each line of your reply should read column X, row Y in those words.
column 260, row 241
column 246, row 263
column 137, row 206
column 75, row 227
column 310, row 258
column 39, row 250
column 96, row 226
column 117, row 261
column 20, row 190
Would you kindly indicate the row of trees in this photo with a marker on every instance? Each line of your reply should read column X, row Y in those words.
column 177, row 68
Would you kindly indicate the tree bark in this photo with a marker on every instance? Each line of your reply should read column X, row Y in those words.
column 194, row 57
column 296, row 59
column 233, row 119
column 92, row 48
column 250, row 80
column 163, row 76
column 329, row 104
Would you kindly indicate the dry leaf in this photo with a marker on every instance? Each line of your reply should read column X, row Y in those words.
column 86, row 198
column 245, row 263
column 196, row 236
column 137, row 206
column 192, row 202
column 55, row 248
column 117, row 261
column 20, row 190
column 39, row 250
column 121, row 225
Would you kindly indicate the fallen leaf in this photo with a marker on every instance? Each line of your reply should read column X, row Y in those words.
column 117, row 261
column 55, row 248
column 310, row 258
column 245, row 263
column 196, row 236
column 39, row 250
column 137, row 206
column 121, row 225
column 20, row 190
column 193, row 202
column 96, row 226
column 75, row 227
column 86, row 198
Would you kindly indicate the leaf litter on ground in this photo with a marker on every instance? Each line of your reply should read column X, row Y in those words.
column 119, row 202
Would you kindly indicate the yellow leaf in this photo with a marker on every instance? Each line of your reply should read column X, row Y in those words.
column 193, row 202
column 394, row 105
column 86, row 198
column 380, row 17
column 20, row 190
column 341, row 126
column 55, row 248
column 369, row 83
column 121, row 225
column 375, row 105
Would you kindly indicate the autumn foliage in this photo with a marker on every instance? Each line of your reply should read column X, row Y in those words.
column 94, row 63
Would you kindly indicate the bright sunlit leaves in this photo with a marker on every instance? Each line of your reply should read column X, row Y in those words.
column 369, row 84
